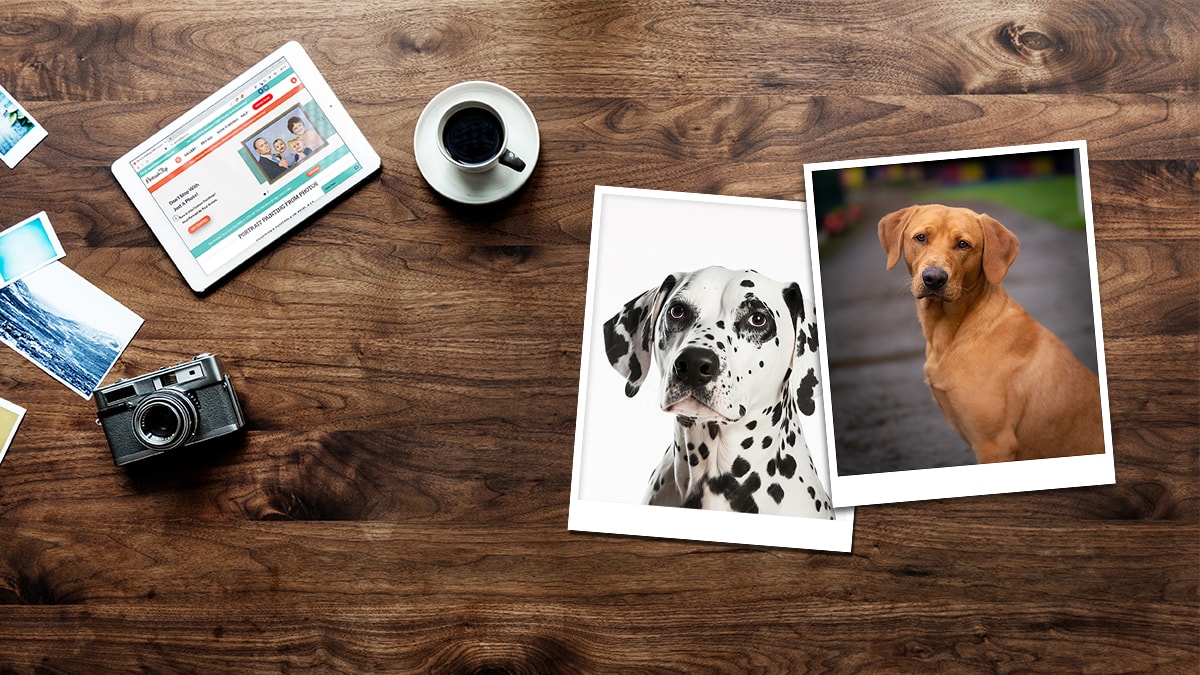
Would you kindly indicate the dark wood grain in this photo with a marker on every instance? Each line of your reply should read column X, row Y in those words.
column 409, row 367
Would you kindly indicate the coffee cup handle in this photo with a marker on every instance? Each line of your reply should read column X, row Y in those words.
column 510, row 159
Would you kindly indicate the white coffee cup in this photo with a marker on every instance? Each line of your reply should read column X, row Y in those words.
column 473, row 137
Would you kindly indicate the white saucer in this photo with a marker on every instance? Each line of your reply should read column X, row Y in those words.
column 489, row 186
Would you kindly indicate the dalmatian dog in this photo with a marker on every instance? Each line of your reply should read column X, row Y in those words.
column 736, row 355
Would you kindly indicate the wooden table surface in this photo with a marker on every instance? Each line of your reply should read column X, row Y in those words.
column 409, row 368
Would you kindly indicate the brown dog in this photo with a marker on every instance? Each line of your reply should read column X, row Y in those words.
column 1005, row 383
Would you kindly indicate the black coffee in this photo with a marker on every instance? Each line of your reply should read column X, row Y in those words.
column 472, row 135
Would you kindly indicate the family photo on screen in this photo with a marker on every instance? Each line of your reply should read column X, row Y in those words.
column 283, row 144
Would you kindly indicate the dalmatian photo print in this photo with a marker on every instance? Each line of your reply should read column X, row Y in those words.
column 700, row 413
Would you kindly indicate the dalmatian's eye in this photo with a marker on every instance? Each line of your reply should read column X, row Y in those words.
column 677, row 311
column 920, row 237
column 963, row 244
column 757, row 320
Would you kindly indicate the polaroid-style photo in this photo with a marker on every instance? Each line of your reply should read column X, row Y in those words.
column 963, row 346
column 66, row 326
column 19, row 132
column 27, row 247
column 11, row 415
column 700, row 412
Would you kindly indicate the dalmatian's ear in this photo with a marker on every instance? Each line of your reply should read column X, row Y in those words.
column 627, row 335
column 805, row 363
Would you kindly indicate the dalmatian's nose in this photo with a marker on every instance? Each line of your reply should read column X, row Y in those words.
column 696, row 366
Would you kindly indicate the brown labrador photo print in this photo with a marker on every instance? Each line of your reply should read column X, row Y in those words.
column 963, row 338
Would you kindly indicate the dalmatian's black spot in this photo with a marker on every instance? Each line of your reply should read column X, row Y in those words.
column 713, row 430
column 615, row 344
column 791, row 438
column 804, row 393
column 761, row 364
column 776, row 414
column 740, row 467
column 694, row 501
column 721, row 325
column 766, row 442
column 741, row 411
column 749, row 441
column 739, row 494
column 751, row 424
column 776, row 492
column 794, row 300
column 818, row 503
column 747, row 283
column 771, row 468
column 811, row 492
column 703, row 450
column 720, row 345
column 686, row 422
column 787, row 466
column 693, row 459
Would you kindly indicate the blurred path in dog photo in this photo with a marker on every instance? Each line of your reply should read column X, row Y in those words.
column 884, row 416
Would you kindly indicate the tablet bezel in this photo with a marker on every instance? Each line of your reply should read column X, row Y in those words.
column 160, row 225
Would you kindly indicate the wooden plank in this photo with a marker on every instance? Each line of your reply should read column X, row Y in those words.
column 100, row 51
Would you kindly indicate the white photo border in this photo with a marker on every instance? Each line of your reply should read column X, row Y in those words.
column 702, row 230
column 973, row 480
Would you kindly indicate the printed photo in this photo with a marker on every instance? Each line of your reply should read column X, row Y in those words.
column 27, row 247
column 19, row 132
column 283, row 144
column 700, row 412
column 964, row 351
column 11, row 415
column 66, row 326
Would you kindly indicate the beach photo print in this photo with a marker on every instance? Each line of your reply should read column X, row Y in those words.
column 19, row 132
column 962, row 335
column 66, row 326
column 700, row 405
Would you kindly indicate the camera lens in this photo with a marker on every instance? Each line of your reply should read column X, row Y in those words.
column 164, row 420
column 161, row 422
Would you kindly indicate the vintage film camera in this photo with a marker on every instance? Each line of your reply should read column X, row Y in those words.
column 176, row 406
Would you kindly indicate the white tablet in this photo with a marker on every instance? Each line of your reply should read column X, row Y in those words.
column 245, row 166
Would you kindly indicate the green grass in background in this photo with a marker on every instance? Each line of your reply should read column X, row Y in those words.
column 1054, row 199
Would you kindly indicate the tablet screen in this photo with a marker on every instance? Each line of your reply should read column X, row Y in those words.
column 246, row 166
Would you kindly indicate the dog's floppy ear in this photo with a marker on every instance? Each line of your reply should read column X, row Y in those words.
column 804, row 364
column 804, row 318
column 891, row 233
column 627, row 335
column 1000, row 248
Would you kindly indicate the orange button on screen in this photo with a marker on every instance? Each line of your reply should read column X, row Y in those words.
column 312, row 171
column 199, row 224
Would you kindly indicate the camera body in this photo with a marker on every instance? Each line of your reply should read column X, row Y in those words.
column 173, row 407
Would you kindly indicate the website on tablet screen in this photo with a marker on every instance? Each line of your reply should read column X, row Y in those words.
column 246, row 166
